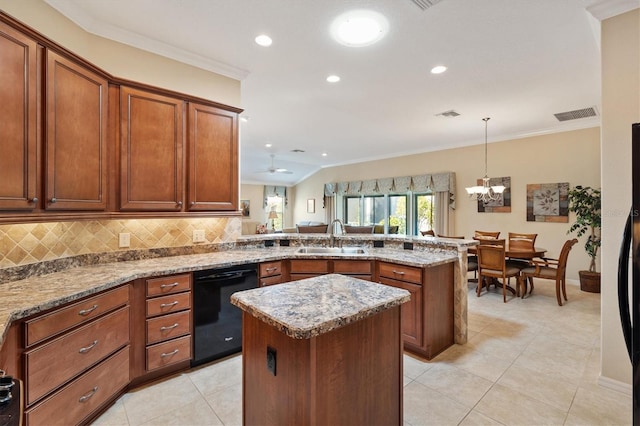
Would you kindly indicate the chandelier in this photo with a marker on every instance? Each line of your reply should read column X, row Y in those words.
column 486, row 192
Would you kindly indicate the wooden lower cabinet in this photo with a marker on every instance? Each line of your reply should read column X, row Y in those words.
column 79, row 400
column 362, row 269
column 300, row 269
column 427, row 320
column 270, row 273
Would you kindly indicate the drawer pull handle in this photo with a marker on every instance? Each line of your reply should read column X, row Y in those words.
column 168, row 327
column 173, row 352
column 85, row 397
column 168, row 305
column 228, row 339
column 168, row 285
column 271, row 269
column 398, row 272
column 85, row 312
column 88, row 348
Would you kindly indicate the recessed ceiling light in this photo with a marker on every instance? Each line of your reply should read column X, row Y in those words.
column 268, row 145
column 264, row 40
column 359, row 28
column 438, row 70
column 333, row 79
column 324, row 154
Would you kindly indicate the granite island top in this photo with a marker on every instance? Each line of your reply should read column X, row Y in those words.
column 30, row 296
column 314, row 306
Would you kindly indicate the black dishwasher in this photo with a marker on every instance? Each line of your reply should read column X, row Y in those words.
column 217, row 323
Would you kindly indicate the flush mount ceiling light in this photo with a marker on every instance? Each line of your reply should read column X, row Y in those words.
column 264, row 40
column 358, row 28
column 333, row 79
column 486, row 192
column 438, row 69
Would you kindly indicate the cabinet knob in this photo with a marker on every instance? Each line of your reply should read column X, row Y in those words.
column 34, row 200
column 179, row 203
column 193, row 203
column 53, row 200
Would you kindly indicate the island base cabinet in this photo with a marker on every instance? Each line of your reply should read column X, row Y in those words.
column 79, row 400
column 350, row 375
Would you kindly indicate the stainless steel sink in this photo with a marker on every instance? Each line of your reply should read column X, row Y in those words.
column 331, row 250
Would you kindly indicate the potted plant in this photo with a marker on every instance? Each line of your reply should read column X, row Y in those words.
column 585, row 203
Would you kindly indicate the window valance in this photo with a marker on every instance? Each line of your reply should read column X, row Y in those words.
column 438, row 182
column 275, row 191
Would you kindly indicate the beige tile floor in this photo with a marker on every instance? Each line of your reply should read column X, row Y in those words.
column 527, row 362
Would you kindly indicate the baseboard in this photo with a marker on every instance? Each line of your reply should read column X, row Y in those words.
column 615, row 385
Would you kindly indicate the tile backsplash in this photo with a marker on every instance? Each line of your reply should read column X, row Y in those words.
column 24, row 244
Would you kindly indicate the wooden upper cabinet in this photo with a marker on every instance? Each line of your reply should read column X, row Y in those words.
column 18, row 131
column 151, row 151
column 213, row 158
column 76, row 136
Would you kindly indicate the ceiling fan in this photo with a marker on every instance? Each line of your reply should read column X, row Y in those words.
column 273, row 169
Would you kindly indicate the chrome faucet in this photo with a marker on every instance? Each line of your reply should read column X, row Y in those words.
column 342, row 232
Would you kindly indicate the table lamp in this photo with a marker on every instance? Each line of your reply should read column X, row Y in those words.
column 273, row 215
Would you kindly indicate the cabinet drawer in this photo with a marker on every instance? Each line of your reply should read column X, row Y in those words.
column 309, row 266
column 80, row 398
column 168, row 327
column 352, row 267
column 401, row 272
column 54, row 363
column 276, row 279
column 270, row 269
column 168, row 285
column 168, row 353
column 48, row 325
column 168, row 304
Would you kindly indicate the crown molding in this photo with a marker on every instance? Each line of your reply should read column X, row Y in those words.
column 605, row 9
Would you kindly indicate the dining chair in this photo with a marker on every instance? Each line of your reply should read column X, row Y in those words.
column 455, row 238
column 428, row 233
column 548, row 269
column 519, row 241
column 487, row 234
column 492, row 265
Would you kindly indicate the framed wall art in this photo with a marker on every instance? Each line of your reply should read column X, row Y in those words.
column 548, row 202
column 311, row 205
column 503, row 203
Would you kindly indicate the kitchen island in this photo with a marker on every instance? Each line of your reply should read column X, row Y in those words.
column 324, row 350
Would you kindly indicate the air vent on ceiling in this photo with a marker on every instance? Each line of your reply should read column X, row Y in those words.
column 297, row 150
column 576, row 114
column 425, row 4
column 450, row 113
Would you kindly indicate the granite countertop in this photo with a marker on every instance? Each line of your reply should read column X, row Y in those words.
column 29, row 296
column 314, row 306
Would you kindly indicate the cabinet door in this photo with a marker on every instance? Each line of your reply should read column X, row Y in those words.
column 18, row 131
column 76, row 137
column 213, row 158
column 151, row 146
column 411, row 311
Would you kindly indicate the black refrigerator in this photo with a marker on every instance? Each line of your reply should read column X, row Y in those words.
column 629, row 291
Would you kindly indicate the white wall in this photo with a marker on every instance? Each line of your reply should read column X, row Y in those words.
column 121, row 60
column 620, row 108
column 572, row 157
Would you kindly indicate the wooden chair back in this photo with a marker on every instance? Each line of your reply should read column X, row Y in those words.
column 486, row 234
column 564, row 255
column 518, row 241
column 491, row 256
column 455, row 238
column 428, row 233
column 313, row 229
column 351, row 229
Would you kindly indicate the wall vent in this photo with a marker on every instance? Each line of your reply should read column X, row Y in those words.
column 576, row 114
column 297, row 150
column 425, row 4
column 450, row 113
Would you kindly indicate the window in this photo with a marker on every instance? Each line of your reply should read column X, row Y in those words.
column 423, row 204
column 275, row 204
column 397, row 214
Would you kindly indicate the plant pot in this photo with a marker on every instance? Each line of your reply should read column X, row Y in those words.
column 589, row 281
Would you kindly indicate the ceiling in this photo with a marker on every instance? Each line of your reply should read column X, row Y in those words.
column 516, row 61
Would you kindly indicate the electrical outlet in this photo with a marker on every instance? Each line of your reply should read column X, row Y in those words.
column 198, row 235
column 124, row 239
